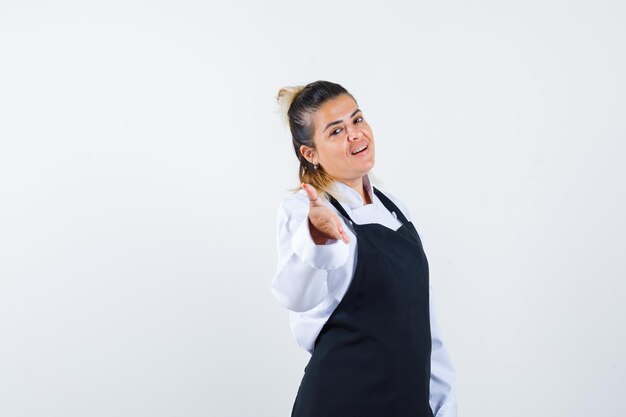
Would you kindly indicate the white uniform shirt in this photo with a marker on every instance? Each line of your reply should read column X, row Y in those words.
column 311, row 279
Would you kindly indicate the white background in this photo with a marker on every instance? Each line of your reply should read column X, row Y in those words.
column 142, row 162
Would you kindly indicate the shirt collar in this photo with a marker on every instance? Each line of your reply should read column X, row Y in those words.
column 352, row 199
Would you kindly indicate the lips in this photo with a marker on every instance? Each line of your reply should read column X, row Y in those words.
column 359, row 149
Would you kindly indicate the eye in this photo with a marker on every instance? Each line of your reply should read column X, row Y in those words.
column 358, row 119
column 336, row 131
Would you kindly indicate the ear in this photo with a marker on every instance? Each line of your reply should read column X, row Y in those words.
column 308, row 153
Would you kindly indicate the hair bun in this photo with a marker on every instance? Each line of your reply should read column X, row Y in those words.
column 285, row 97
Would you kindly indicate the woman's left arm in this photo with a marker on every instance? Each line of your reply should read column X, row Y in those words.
column 442, row 372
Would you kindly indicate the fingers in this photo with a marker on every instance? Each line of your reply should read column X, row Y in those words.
column 342, row 233
column 339, row 232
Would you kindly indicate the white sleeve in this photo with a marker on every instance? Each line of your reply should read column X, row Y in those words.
column 442, row 372
column 300, row 283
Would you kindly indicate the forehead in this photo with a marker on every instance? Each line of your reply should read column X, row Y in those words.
column 338, row 108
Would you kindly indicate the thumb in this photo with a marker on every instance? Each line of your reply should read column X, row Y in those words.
column 310, row 192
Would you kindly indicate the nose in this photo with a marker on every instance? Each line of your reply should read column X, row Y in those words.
column 353, row 133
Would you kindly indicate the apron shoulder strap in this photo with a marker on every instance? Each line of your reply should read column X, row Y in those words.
column 390, row 205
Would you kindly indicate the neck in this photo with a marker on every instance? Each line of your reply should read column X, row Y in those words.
column 357, row 185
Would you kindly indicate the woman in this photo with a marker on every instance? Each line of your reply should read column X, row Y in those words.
column 353, row 274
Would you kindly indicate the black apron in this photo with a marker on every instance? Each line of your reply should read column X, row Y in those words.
column 372, row 357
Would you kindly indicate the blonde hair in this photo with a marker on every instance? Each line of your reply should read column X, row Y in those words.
column 297, row 104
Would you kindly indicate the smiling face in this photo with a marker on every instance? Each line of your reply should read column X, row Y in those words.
column 344, row 143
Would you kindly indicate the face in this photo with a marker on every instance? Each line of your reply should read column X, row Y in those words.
column 344, row 143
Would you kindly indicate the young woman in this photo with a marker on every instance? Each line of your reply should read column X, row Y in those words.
column 353, row 274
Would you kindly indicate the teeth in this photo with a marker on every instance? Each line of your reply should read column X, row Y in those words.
column 359, row 150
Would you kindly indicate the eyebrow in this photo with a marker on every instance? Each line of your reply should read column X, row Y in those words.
column 339, row 121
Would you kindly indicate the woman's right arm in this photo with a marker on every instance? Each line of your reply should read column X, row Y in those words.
column 300, row 283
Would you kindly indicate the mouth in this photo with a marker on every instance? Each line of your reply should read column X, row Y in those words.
column 359, row 150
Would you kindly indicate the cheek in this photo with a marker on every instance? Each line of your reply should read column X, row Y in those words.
column 334, row 153
column 367, row 129
column 326, row 152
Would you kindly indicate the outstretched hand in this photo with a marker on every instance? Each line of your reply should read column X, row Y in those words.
column 324, row 222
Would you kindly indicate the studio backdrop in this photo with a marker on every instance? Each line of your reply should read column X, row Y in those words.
column 143, row 160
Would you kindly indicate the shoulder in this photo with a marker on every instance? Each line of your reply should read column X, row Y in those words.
column 293, row 207
column 295, row 201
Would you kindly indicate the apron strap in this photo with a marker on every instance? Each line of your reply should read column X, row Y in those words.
column 390, row 206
